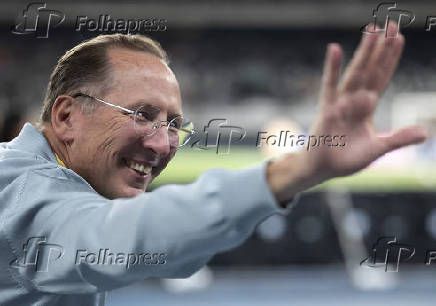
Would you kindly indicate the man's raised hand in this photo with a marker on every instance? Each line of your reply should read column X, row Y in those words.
column 347, row 107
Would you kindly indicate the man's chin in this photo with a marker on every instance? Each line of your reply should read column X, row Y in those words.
column 126, row 184
column 125, row 191
column 131, row 192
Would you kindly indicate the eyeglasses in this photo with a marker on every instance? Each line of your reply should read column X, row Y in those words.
column 180, row 130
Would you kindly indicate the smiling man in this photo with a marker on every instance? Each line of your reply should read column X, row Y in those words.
column 102, row 147
column 74, row 211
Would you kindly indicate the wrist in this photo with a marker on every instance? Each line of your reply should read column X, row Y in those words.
column 290, row 175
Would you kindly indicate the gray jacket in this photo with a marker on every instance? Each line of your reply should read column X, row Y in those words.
column 63, row 244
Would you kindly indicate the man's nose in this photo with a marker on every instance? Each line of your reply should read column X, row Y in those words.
column 159, row 141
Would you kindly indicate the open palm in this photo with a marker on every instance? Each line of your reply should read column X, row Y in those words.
column 348, row 105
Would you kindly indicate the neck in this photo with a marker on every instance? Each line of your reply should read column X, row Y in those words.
column 58, row 147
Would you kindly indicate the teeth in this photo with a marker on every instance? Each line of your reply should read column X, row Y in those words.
column 140, row 168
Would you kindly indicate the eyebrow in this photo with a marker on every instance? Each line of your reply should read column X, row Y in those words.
column 154, row 110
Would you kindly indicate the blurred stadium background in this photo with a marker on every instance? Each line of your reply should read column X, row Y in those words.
column 257, row 63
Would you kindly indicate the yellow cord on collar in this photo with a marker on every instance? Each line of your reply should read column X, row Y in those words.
column 60, row 162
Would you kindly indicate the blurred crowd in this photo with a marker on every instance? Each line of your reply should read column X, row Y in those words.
column 225, row 68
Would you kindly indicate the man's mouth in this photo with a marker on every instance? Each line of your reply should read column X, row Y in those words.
column 140, row 167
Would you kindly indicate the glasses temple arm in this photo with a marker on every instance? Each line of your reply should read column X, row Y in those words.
column 116, row 106
column 104, row 102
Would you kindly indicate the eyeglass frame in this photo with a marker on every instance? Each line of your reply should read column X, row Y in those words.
column 156, row 124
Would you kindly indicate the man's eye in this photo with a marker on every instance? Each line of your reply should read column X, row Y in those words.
column 144, row 116
column 175, row 124
column 147, row 113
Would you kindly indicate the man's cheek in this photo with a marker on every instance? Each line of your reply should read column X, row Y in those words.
column 164, row 162
column 170, row 156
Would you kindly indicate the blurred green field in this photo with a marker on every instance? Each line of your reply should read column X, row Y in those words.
column 190, row 163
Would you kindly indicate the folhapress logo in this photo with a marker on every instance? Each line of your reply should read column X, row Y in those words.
column 36, row 20
column 388, row 253
column 222, row 135
column 385, row 13
column 38, row 255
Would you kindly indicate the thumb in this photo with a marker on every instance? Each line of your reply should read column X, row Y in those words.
column 403, row 137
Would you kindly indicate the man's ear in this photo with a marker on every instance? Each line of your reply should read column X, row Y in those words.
column 62, row 117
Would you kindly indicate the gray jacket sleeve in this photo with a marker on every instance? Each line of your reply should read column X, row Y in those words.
column 65, row 238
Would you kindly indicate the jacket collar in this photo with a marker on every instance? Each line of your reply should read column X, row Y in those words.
column 33, row 141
